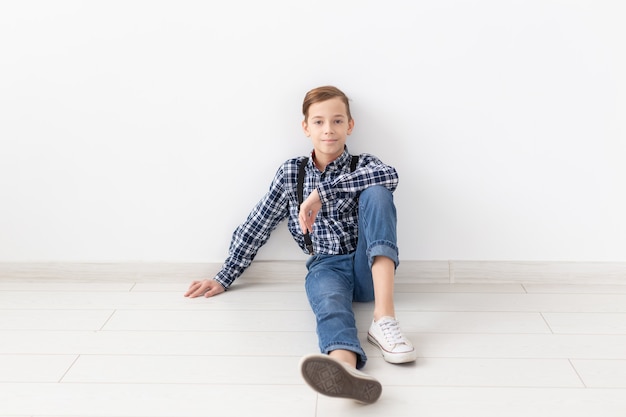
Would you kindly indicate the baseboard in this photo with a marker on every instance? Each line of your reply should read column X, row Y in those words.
column 426, row 272
column 538, row 272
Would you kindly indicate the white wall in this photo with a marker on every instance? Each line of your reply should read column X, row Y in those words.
column 146, row 130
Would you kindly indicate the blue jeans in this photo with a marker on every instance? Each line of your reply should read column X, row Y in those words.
column 333, row 282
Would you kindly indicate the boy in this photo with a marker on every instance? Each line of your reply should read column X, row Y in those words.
column 347, row 223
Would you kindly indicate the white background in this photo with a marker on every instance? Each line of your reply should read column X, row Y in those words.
column 147, row 130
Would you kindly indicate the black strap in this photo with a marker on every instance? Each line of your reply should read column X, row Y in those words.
column 353, row 161
column 301, row 169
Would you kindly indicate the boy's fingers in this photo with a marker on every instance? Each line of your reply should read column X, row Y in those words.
column 197, row 288
column 208, row 288
column 303, row 224
column 192, row 288
column 306, row 220
column 192, row 293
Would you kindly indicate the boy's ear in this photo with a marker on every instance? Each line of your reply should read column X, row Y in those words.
column 350, row 126
column 305, row 127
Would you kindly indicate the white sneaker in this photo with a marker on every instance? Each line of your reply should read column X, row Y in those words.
column 385, row 333
column 331, row 377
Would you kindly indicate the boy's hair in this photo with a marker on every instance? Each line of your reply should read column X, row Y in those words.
column 322, row 94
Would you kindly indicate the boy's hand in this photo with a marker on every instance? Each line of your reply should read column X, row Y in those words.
column 208, row 287
column 308, row 211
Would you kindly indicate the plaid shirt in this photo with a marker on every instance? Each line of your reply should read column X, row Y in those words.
column 336, row 225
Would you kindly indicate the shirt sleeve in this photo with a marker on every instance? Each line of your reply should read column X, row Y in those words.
column 370, row 171
column 254, row 232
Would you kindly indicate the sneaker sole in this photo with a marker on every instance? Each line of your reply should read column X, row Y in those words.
column 391, row 357
column 328, row 377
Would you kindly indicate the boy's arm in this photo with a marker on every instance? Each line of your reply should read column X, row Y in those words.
column 370, row 171
column 247, row 239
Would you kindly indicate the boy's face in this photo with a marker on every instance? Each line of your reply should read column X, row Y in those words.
column 328, row 127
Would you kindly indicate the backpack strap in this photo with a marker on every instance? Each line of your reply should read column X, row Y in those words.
column 300, row 190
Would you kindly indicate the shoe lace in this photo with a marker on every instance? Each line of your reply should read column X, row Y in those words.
column 391, row 331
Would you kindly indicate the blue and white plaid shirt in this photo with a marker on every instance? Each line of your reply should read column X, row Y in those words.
column 336, row 226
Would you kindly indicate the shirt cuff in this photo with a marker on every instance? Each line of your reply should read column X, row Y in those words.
column 223, row 281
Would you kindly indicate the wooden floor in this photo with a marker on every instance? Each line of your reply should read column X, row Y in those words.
column 113, row 342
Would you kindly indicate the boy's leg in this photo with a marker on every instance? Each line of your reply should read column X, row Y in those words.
column 376, row 257
column 383, row 271
column 375, row 260
column 329, row 287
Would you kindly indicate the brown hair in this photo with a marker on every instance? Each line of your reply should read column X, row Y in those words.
column 322, row 94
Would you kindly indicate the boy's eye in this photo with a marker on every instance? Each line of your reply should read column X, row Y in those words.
column 317, row 122
column 338, row 121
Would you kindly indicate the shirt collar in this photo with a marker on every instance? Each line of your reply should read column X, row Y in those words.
column 337, row 164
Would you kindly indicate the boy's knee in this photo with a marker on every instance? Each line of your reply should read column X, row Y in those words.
column 378, row 191
column 376, row 195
